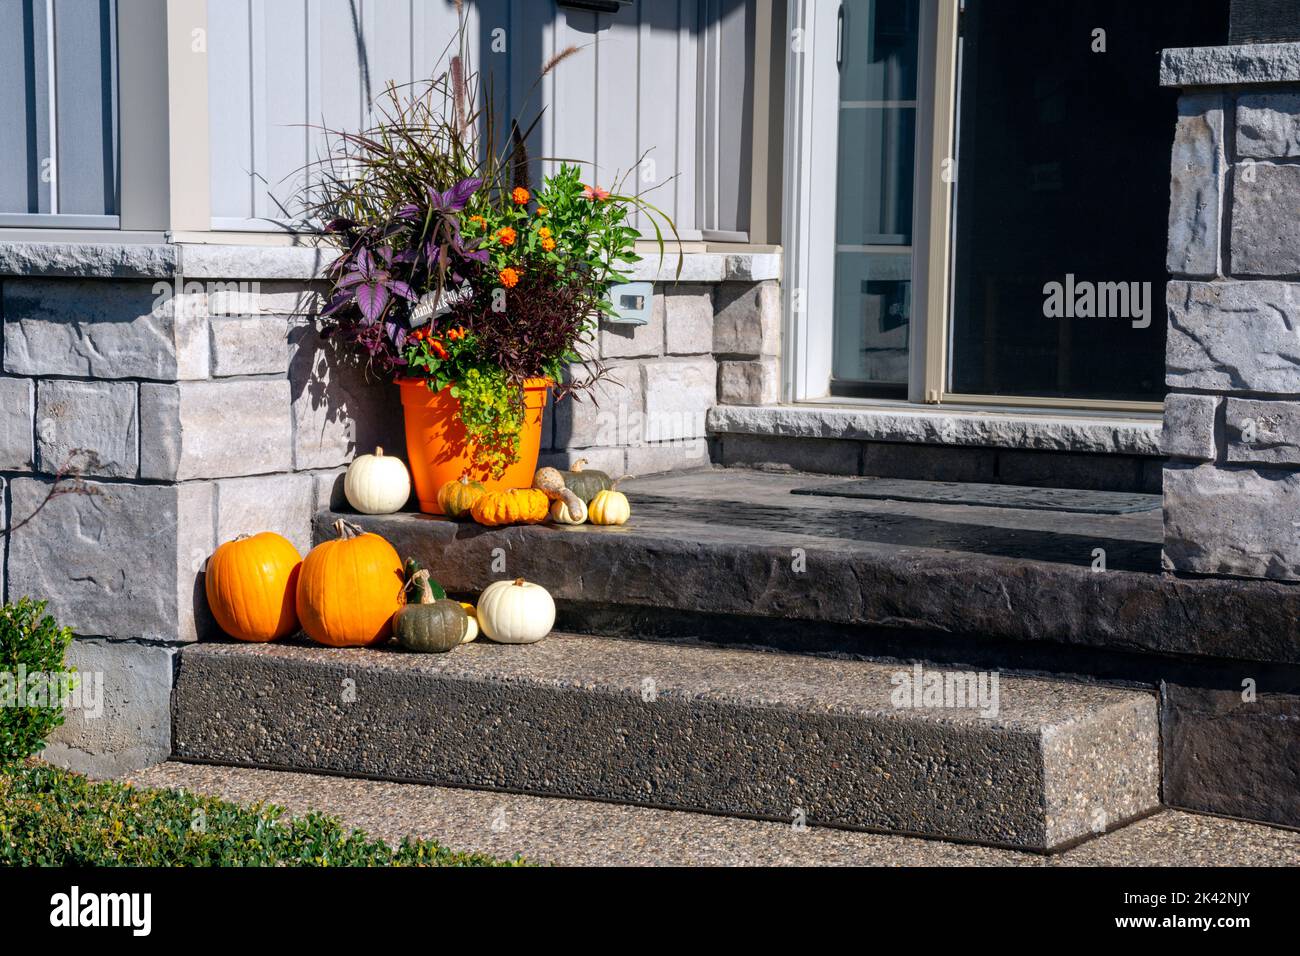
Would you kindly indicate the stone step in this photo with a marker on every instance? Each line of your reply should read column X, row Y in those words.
column 1041, row 766
column 740, row 551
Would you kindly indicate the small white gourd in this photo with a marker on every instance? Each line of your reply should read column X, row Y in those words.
column 377, row 484
column 516, row 612
column 471, row 632
column 569, row 511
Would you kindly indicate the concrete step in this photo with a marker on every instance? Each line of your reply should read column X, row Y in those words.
column 719, row 544
column 1040, row 766
column 551, row 830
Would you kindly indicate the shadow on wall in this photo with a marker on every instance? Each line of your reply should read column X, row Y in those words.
column 205, row 625
column 340, row 411
column 618, row 98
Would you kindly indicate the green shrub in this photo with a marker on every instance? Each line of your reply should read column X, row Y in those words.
column 52, row 817
column 32, row 647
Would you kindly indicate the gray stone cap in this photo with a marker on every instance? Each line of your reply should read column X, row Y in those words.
column 196, row 260
column 1245, row 65
column 933, row 426
column 711, row 267
column 89, row 260
column 204, row 260
column 212, row 261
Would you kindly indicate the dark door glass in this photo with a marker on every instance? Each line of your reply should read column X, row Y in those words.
column 1063, row 194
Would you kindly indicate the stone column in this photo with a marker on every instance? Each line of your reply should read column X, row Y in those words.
column 197, row 404
column 1232, row 418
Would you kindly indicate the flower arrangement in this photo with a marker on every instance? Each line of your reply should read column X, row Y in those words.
column 453, row 270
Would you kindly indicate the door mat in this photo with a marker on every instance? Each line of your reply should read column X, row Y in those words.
column 989, row 496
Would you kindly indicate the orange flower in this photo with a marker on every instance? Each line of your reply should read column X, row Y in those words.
column 507, row 235
column 520, row 196
column 478, row 221
column 509, row 277
column 544, row 232
column 438, row 349
column 595, row 193
column 548, row 245
column 543, row 211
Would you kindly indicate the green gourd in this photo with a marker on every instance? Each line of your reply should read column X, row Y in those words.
column 434, row 626
column 413, row 591
column 586, row 484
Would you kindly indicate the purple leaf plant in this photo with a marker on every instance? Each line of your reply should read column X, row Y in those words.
column 386, row 267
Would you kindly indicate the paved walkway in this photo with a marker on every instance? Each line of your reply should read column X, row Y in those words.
column 576, row 832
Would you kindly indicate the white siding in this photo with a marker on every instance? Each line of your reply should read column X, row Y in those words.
column 278, row 65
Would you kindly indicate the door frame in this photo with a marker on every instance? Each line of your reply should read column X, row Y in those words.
column 811, row 179
column 808, row 227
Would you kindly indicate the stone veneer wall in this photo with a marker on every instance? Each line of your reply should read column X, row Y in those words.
column 713, row 338
column 196, row 378
column 1232, row 419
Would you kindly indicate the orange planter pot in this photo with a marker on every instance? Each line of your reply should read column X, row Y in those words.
column 438, row 452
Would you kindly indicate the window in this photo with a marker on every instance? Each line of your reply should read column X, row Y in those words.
column 58, row 108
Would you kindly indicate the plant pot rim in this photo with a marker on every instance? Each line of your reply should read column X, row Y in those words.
column 530, row 384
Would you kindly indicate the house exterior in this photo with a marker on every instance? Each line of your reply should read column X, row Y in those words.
column 923, row 239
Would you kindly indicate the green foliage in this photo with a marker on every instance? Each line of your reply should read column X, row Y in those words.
column 51, row 817
column 492, row 410
column 552, row 259
column 575, row 231
column 492, row 407
column 32, row 647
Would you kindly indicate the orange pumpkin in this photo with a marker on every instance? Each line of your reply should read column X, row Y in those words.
column 251, row 584
column 457, row 498
column 521, row 506
column 349, row 589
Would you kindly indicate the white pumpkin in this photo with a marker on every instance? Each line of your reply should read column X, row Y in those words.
column 573, row 511
column 471, row 632
column 516, row 612
column 377, row 484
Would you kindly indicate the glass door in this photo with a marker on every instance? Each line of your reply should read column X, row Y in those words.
column 973, row 220
column 1063, row 198
column 877, row 52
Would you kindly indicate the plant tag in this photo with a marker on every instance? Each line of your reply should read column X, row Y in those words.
column 431, row 306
